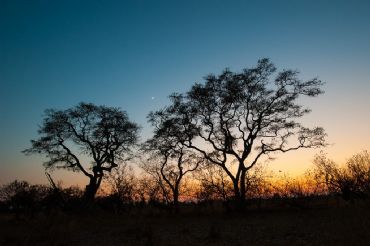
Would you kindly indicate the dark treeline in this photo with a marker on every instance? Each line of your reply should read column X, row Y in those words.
column 326, row 184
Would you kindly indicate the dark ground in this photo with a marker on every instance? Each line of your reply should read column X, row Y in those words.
column 349, row 225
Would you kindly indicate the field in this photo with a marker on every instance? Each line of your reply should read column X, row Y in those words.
column 348, row 225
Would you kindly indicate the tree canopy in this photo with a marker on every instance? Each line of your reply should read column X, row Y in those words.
column 240, row 117
column 103, row 133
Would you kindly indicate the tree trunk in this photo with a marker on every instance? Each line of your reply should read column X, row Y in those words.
column 91, row 189
column 239, row 191
column 236, row 190
column 242, row 186
column 176, row 199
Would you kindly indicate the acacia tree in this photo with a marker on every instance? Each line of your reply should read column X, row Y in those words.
column 67, row 136
column 169, row 159
column 241, row 117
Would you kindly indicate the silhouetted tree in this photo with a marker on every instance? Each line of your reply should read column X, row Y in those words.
column 22, row 197
column 103, row 133
column 8, row 191
column 151, row 190
column 214, row 183
column 240, row 117
column 169, row 161
column 122, row 182
column 351, row 180
column 358, row 167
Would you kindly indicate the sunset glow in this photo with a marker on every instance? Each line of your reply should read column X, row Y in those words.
column 55, row 55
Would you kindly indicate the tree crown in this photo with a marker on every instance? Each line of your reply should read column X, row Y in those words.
column 234, row 112
column 104, row 133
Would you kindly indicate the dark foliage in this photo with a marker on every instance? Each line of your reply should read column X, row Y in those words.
column 351, row 181
column 103, row 133
column 241, row 117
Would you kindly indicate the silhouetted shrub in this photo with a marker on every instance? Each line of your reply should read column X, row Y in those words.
column 351, row 181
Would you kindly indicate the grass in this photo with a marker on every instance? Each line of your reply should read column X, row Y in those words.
column 325, row 226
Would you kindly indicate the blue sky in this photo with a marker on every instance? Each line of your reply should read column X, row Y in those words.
column 55, row 54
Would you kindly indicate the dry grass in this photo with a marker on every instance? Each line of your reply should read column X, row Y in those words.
column 335, row 226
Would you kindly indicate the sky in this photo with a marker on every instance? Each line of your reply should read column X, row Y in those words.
column 133, row 54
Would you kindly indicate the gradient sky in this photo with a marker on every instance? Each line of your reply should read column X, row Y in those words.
column 133, row 54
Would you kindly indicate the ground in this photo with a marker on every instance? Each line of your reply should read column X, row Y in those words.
column 320, row 226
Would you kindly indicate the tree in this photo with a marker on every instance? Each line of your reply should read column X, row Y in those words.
column 326, row 172
column 358, row 167
column 241, row 117
column 351, row 180
column 150, row 190
column 213, row 183
column 8, row 191
column 24, row 198
column 169, row 159
column 122, row 183
column 67, row 136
